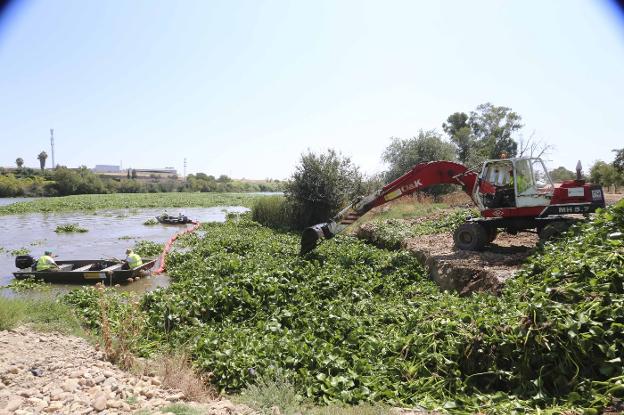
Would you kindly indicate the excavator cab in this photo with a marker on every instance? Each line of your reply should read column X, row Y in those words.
column 511, row 183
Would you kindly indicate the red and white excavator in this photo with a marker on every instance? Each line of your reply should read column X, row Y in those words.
column 514, row 194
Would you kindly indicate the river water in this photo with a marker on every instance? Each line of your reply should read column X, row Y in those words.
column 110, row 232
column 10, row 200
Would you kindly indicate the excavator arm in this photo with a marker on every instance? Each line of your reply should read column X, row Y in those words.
column 419, row 177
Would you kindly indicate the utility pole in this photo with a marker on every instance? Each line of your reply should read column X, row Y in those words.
column 184, row 168
column 52, row 145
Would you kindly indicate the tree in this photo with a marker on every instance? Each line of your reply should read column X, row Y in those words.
column 484, row 134
column 561, row 173
column 321, row 185
column 20, row 162
column 402, row 154
column 618, row 163
column 134, row 174
column 460, row 133
column 493, row 128
column 42, row 157
column 606, row 174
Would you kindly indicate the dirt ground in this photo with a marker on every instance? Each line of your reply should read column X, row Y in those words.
column 466, row 271
column 612, row 198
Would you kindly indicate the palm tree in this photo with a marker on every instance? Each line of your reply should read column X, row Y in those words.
column 20, row 162
column 42, row 159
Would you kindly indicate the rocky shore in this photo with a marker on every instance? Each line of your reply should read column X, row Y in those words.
column 51, row 373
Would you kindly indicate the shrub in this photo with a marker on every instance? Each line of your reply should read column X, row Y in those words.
column 321, row 186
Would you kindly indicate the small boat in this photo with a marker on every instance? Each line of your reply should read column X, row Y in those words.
column 173, row 220
column 83, row 271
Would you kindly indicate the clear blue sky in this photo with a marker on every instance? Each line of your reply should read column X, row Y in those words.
column 242, row 87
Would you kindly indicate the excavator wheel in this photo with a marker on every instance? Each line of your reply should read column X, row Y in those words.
column 471, row 236
column 553, row 230
column 491, row 233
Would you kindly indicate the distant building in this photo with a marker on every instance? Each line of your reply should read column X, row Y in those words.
column 106, row 168
column 166, row 170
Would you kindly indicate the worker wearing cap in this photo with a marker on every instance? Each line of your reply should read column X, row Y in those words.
column 133, row 260
column 46, row 262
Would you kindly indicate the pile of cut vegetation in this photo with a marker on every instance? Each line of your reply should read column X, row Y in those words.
column 355, row 323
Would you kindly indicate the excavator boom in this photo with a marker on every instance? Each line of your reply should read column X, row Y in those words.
column 419, row 177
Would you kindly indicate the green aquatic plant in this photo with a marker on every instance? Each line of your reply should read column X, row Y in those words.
column 94, row 202
column 20, row 251
column 148, row 248
column 354, row 323
column 27, row 284
column 70, row 228
column 150, row 221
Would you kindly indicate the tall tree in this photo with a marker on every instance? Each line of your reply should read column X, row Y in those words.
column 20, row 162
column 484, row 134
column 618, row 163
column 561, row 173
column 493, row 128
column 403, row 154
column 460, row 133
column 42, row 157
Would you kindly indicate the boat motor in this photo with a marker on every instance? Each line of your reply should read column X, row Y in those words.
column 24, row 261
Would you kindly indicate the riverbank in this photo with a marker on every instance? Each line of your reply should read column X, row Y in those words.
column 97, row 202
column 63, row 374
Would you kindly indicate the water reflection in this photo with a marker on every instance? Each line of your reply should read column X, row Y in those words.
column 110, row 233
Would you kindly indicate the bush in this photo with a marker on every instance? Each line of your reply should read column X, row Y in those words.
column 321, row 186
column 275, row 212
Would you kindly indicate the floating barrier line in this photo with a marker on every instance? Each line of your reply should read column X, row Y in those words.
column 169, row 244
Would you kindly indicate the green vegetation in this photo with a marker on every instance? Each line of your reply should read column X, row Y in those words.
column 485, row 134
column 150, row 222
column 407, row 207
column 403, row 154
column 42, row 314
column 148, row 248
column 20, row 251
column 128, row 201
column 62, row 181
column 26, row 284
column 70, row 228
column 607, row 175
column 273, row 211
column 354, row 323
column 320, row 186
column 561, row 174
column 389, row 233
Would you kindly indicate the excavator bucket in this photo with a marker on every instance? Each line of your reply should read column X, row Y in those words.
column 311, row 236
column 309, row 240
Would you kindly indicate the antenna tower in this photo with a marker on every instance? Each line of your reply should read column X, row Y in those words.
column 52, row 145
column 185, row 168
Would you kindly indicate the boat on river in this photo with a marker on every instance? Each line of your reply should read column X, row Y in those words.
column 83, row 271
column 173, row 220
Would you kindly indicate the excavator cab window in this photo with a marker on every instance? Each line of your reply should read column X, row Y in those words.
column 499, row 175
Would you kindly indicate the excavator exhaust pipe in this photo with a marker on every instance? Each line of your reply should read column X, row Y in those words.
column 312, row 235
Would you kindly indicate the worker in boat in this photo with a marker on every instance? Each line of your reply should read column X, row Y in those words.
column 132, row 260
column 46, row 262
